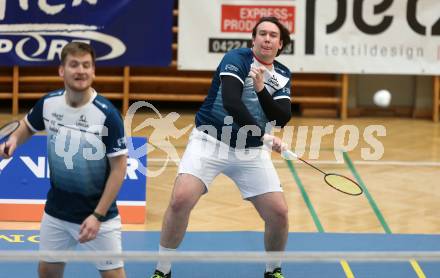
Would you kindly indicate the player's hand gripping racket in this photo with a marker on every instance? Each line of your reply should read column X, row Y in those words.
column 337, row 181
column 7, row 130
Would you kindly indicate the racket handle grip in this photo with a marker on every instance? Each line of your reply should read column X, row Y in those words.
column 288, row 155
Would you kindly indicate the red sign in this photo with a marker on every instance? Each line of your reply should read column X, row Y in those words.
column 241, row 19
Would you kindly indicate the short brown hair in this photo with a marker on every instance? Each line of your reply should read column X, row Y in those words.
column 284, row 32
column 74, row 48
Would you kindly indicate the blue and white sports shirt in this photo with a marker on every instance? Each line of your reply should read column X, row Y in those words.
column 238, row 63
column 79, row 141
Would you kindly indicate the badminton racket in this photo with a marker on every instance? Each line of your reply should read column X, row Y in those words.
column 7, row 130
column 336, row 181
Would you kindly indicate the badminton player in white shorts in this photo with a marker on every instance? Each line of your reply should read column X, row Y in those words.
column 87, row 160
column 249, row 93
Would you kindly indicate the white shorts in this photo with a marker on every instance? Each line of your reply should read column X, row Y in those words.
column 251, row 169
column 60, row 235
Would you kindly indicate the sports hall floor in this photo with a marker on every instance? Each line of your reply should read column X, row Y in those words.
column 398, row 212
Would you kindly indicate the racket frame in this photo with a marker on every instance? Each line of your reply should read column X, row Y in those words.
column 289, row 155
column 3, row 137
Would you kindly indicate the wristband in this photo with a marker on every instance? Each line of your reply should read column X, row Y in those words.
column 98, row 216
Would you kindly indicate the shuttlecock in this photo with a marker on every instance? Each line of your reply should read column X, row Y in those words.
column 382, row 98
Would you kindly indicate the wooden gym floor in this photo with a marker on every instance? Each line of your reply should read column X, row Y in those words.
column 402, row 195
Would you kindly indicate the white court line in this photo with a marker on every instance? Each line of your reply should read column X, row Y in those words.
column 334, row 162
column 374, row 162
column 398, row 163
column 221, row 256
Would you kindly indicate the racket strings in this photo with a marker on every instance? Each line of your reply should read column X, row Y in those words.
column 343, row 184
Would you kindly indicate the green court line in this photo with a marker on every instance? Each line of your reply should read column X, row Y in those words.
column 344, row 264
column 414, row 264
column 367, row 193
column 305, row 197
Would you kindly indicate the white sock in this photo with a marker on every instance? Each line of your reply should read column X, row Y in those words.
column 163, row 265
column 270, row 266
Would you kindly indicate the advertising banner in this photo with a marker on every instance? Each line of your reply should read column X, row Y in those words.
column 344, row 36
column 24, row 182
column 123, row 32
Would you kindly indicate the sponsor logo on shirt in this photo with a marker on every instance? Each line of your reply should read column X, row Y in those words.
column 230, row 67
column 122, row 141
column 57, row 116
column 273, row 82
column 82, row 122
